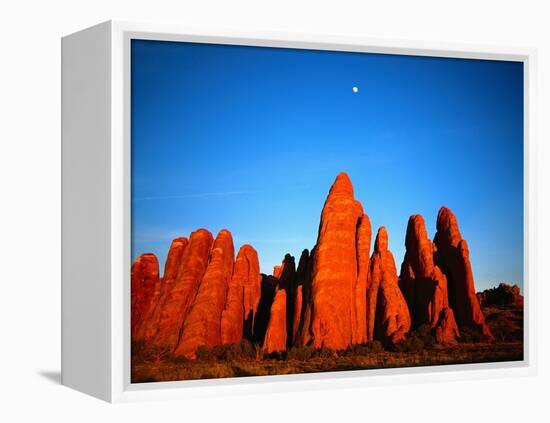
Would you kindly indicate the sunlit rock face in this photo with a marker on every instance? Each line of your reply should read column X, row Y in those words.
column 251, row 290
column 173, row 259
column 184, row 289
column 144, row 284
column 242, row 298
column 296, row 314
column 335, row 268
column 392, row 320
column 423, row 284
column 202, row 326
column 275, row 337
column 363, row 241
column 453, row 258
column 149, row 327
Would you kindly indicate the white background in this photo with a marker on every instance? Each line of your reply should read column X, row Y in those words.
column 30, row 207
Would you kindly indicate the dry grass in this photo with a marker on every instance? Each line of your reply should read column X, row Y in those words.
column 506, row 322
column 198, row 369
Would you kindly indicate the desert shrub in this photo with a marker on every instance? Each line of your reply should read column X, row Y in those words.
column 400, row 346
column 217, row 352
column 301, row 353
column 275, row 355
column 355, row 350
column 138, row 350
column 248, row 349
column 416, row 344
column 469, row 335
column 204, row 353
column 141, row 352
column 422, row 338
column 376, row 347
column 350, row 351
column 227, row 352
column 230, row 352
column 180, row 360
column 412, row 344
column 324, row 352
column 424, row 333
column 363, row 350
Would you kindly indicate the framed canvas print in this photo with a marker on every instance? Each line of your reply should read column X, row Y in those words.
column 248, row 212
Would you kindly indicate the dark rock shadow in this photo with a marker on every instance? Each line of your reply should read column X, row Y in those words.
column 261, row 320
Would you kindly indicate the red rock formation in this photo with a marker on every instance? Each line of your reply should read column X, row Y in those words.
column 446, row 329
column 149, row 328
column 173, row 258
column 302, row 271
column 144, row 282
column 261, row 319
column 392, row 319
column 286, row 272
column 275, row 337
column 202, row 327
column 441, row 316
column 242, row 297
column 364, row 235
column 297, row 312
column 373, row 284
column 303, row 276
column 285, row 278
column 422, row 282
column 453, row 258
column 287, row 281
column 179, row 299
column 298, row 296
column 251, row 291
column 335, row 268
column 335, row 298
column 504, row 294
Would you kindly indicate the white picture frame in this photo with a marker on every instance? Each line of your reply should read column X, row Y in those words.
column 96, row 213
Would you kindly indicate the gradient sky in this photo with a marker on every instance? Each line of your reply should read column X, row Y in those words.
column 251, row 139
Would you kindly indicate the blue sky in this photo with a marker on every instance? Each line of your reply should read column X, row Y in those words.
column 251, row 138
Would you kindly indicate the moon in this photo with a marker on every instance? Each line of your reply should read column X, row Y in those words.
column 355, row 90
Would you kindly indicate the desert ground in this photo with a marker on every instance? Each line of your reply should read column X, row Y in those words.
column 234, row 360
